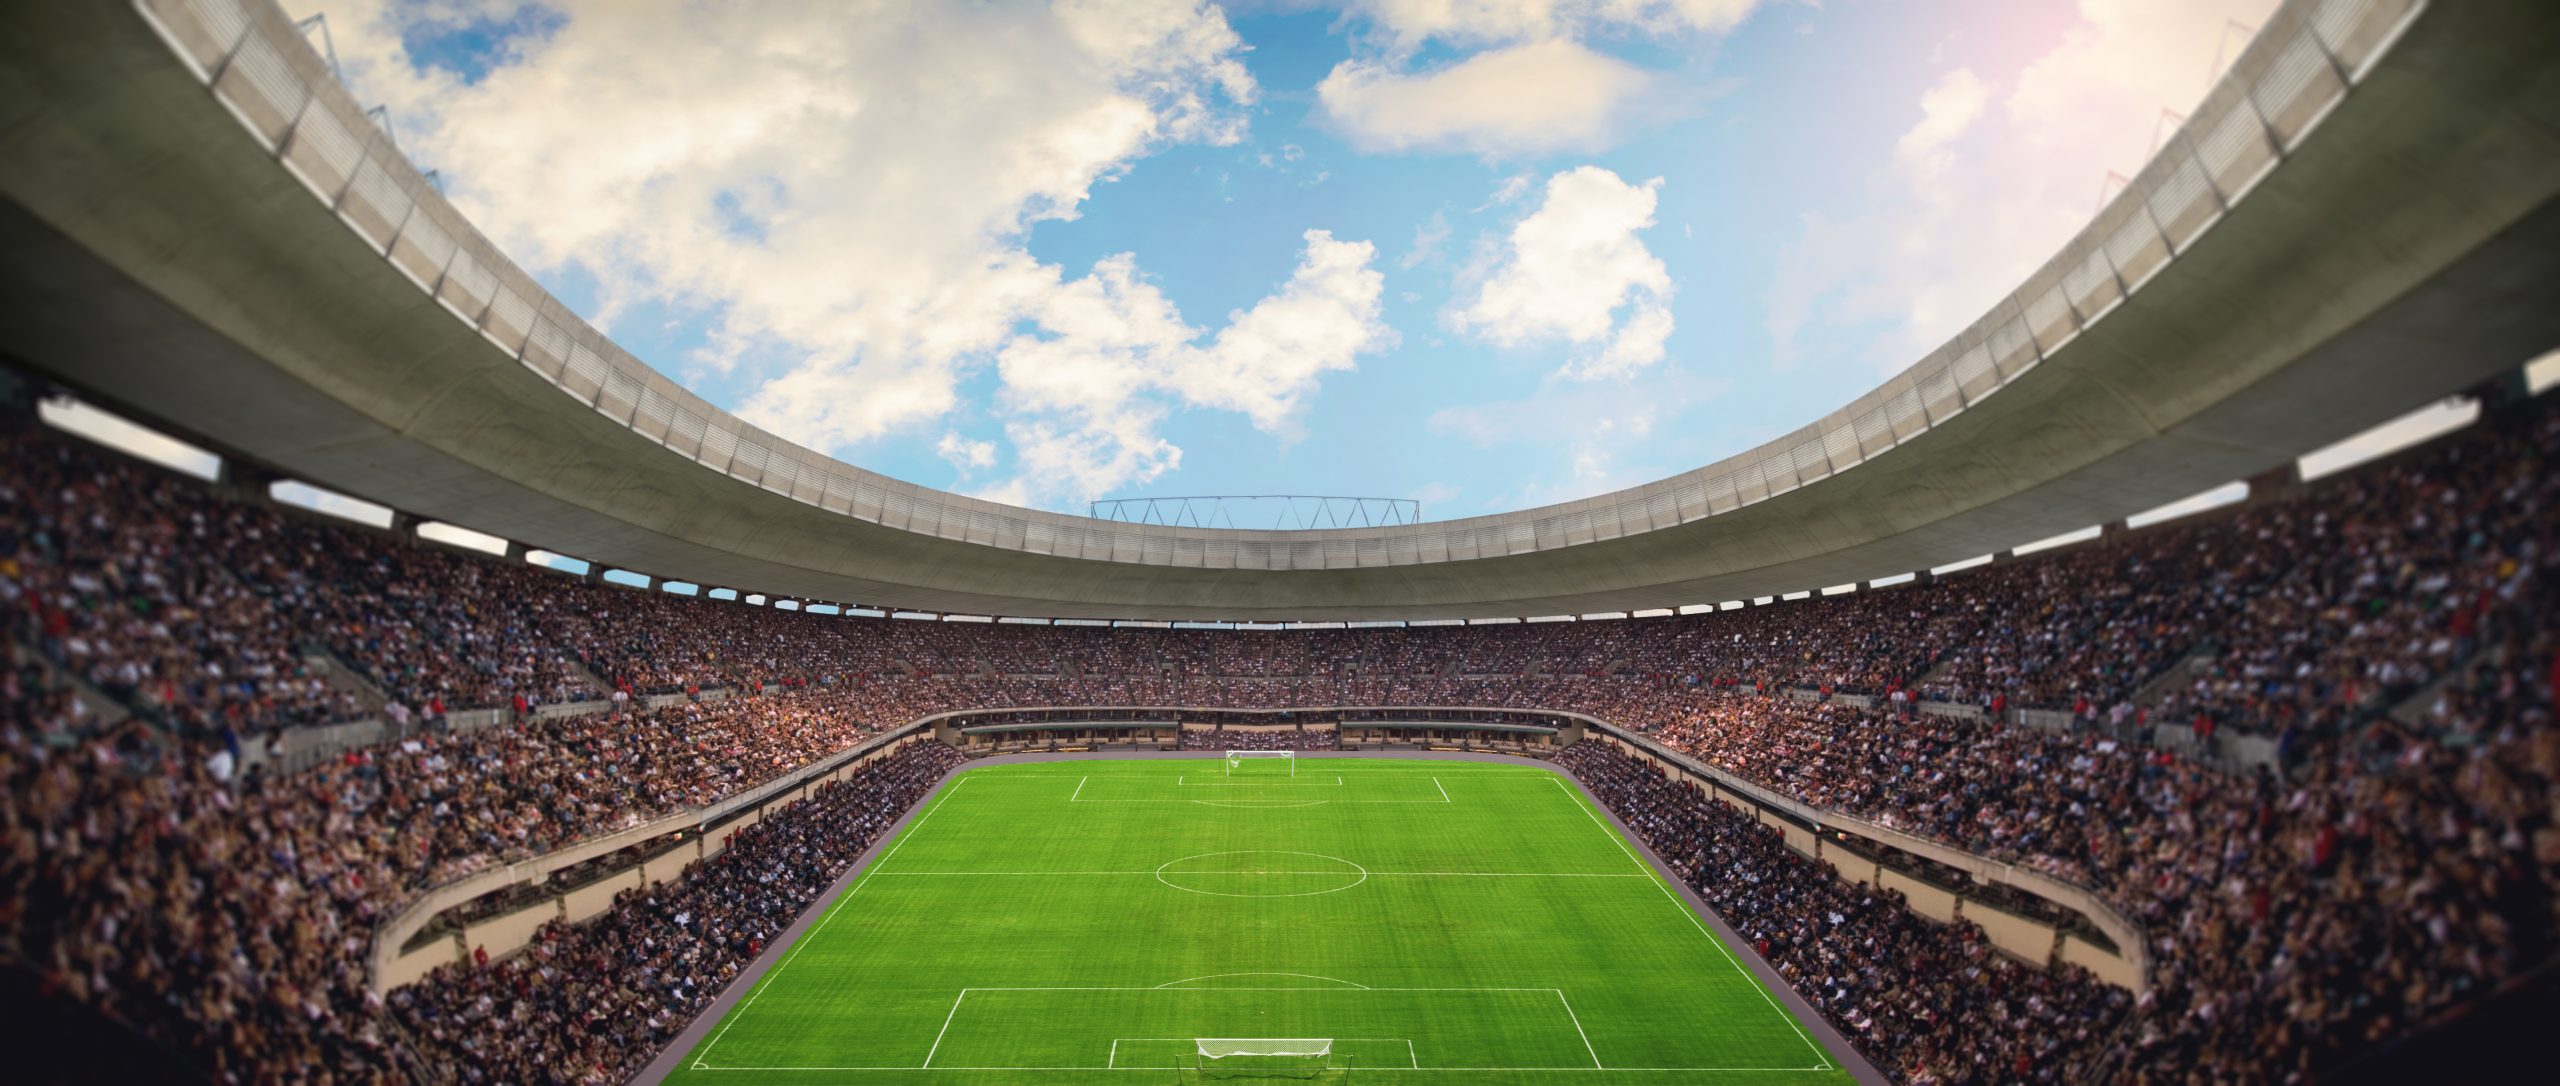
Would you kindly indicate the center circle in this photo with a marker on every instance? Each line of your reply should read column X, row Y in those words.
column 1261, row 874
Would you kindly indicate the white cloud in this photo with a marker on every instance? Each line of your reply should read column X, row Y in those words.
column 966, row 454
column 1427, row 239
column 1412, row 22
column 1993, row 176
column 1946, row 110
column 1087, row 390
column 1589, row 427
column 845, row 190
column 1529, row 99
column 1575, row 271
column 1511, row 189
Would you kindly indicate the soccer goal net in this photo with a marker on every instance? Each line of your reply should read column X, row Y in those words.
column 1265, row 761
column 1264, row 1057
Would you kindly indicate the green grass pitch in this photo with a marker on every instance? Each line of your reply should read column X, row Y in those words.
column 1084, row 921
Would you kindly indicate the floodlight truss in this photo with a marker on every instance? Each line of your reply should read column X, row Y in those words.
column 1249, row 510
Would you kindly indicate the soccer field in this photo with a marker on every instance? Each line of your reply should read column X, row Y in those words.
column 1086, row 921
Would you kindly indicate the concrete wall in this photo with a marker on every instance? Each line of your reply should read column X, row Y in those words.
column 597, row 896
column 1926, row 900
column 1798, row 838
column 2016, row 934
column 2030, row 939
column 2108, row 967
column 414, row 966
column 747, row 808
column 508, row 931
column 1852, row 867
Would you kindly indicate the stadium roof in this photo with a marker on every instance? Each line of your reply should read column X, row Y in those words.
column 203, row 228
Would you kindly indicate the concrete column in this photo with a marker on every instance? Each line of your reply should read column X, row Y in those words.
column 2002, row 558
column 1922, row 576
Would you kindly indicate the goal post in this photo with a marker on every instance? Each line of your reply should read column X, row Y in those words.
column 1286, row 761
column 1263, row 1057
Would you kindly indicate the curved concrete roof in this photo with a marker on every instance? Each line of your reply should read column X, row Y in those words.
column 202, row 228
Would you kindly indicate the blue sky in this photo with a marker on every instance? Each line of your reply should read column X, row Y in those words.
column 1487, row 254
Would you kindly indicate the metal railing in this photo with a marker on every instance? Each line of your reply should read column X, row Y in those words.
column 2303, row 62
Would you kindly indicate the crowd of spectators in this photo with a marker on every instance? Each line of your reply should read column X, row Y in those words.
column 2384, row 868
column 595, row 1001
column 114, row 573
column 230, row 915
column 1261, row 739
column 1928, row 1003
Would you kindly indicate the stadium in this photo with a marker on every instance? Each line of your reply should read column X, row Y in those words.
column 408, row 683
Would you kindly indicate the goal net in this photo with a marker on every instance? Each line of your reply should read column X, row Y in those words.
column 1264, row 1057
column 1273, row 762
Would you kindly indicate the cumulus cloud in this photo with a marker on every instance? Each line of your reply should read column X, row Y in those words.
column 1529, row 99
column 1947, row 108
column 1592, row 435
column 1532, row 84
column 1412, row 22
column 1993, row 175
column 1088, row 387
column 845, row 191
column 965, row 454
column 1575, row 271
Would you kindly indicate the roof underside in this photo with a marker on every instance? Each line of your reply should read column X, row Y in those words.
column 160, row 259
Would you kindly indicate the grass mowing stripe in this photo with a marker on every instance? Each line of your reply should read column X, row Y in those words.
column 812, row 934
column 1701, row 925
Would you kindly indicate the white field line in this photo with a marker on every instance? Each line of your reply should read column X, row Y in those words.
column 1184, row 781
column 1241, row 801
column 1576, row 799
column 1409, row 1055
column 1301, row 976
column 1444, row 789
column 1080, row 781
column 1002, row 773
column 1567, row 1004
column 947, row 1069
column 1577, row 1026
column 812, row 934
column 946, row 1026
column 1256, row 988
column 1373, row 874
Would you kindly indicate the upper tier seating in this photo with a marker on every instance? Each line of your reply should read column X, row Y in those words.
column 2389, row 867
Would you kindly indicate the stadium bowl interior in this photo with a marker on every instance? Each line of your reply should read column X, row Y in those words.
column 1791, row 767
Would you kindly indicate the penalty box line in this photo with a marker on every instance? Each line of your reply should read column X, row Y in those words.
column 963, row 997
column 1372, row 874
column 1077, row 796
column 1113, row 1062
